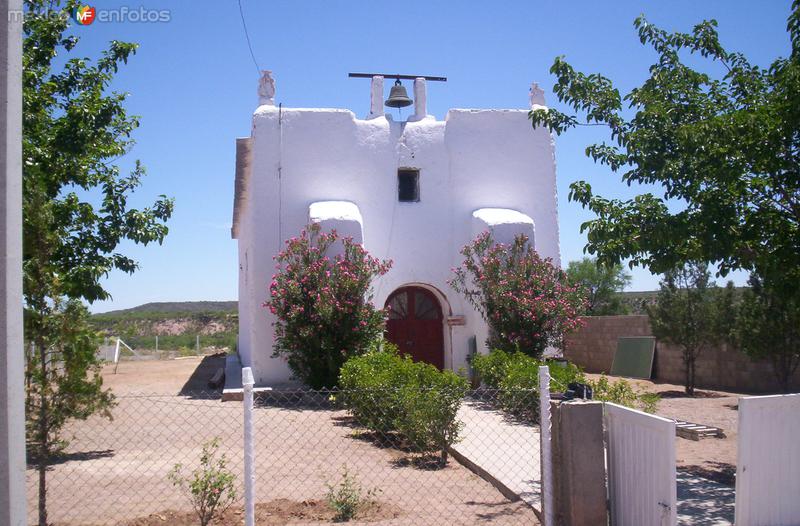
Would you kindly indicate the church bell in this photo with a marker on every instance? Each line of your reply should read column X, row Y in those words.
column 398, row 97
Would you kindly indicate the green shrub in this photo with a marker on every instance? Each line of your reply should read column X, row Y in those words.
column 622, row 392
column 211, row 487
column 347, row 497
column 430, row 405
column 516, row 377
column 491, row 368
column 386, row 392
column 648, row 402
column 564, row 373
column 519, row 387
column 370, row 387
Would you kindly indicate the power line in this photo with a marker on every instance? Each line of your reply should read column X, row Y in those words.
column 247, row 36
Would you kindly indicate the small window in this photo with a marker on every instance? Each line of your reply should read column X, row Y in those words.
column 408, row 186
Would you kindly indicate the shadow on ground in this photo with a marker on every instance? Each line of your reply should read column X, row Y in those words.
column 394, row 441
column 72, row 457
column 721, row 472
column 704, row 502
column 503, row 510
column 298, row 399
column 697, row 394
column 197, row 384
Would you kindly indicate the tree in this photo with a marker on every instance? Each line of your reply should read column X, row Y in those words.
column 725, row 147
column 527, row 301
column 601, row 284
column 768, row 326
column 691, row 312
column 323, row 304
column 75, row 214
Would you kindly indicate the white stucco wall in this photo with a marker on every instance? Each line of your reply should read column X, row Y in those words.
column 474, row 159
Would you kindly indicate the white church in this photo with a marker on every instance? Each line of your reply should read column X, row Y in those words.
column 413, row 191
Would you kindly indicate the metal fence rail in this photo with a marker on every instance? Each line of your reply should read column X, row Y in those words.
column 304, row 442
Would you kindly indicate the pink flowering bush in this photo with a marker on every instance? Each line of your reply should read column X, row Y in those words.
column 324, row 304
column 527, row 301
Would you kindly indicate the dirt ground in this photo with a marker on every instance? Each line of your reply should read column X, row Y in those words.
column 713, row 458
column 162, row 376
column 115, row 472
column 276, row 513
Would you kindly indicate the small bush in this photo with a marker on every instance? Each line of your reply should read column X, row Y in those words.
column 347, row 497
column 519, row 388
column 622, row 392
column 370, row 387
column 210, row 487
column 648, row 402
column 430, row 404
column 491, row 368
column 564, row 373
column 386, row 393
column 516, row 377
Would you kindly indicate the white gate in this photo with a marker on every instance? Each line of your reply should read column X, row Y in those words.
column 641, row 468
column 768, row 465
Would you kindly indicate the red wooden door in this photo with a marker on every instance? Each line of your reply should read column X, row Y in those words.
column 415, row 325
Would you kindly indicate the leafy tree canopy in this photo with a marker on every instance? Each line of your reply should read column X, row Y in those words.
column 727, row 147
column 602, row 286
column 74, row 131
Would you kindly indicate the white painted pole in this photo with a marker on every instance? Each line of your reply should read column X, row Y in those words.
column 249, row 478
column 197, row 343
column 544, row 441
column 156, row 343
column 116, row 356
column 12, row 350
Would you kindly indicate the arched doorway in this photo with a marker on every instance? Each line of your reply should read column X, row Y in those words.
column 415, row 324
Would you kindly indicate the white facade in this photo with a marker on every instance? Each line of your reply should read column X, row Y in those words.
column 478, row 170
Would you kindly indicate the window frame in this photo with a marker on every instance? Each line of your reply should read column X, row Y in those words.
column 404, row 171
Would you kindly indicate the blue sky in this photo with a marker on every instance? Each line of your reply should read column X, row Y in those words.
column 194, row 85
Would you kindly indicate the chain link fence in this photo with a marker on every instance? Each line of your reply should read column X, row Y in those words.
column 116, row 470
column 311, row 448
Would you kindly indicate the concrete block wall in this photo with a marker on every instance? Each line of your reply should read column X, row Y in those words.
column 723, row 367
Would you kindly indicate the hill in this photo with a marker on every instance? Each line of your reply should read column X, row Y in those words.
column 179, row 326
column 173, row 307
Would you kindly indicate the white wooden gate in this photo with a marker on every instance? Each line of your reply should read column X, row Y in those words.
column 768, row 464
column 641, row 468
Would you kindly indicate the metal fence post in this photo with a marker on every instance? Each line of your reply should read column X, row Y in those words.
column 116, row 357
column 544, row 442
column 249, row 479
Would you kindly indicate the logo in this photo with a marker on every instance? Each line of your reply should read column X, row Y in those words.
column 84, row 15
